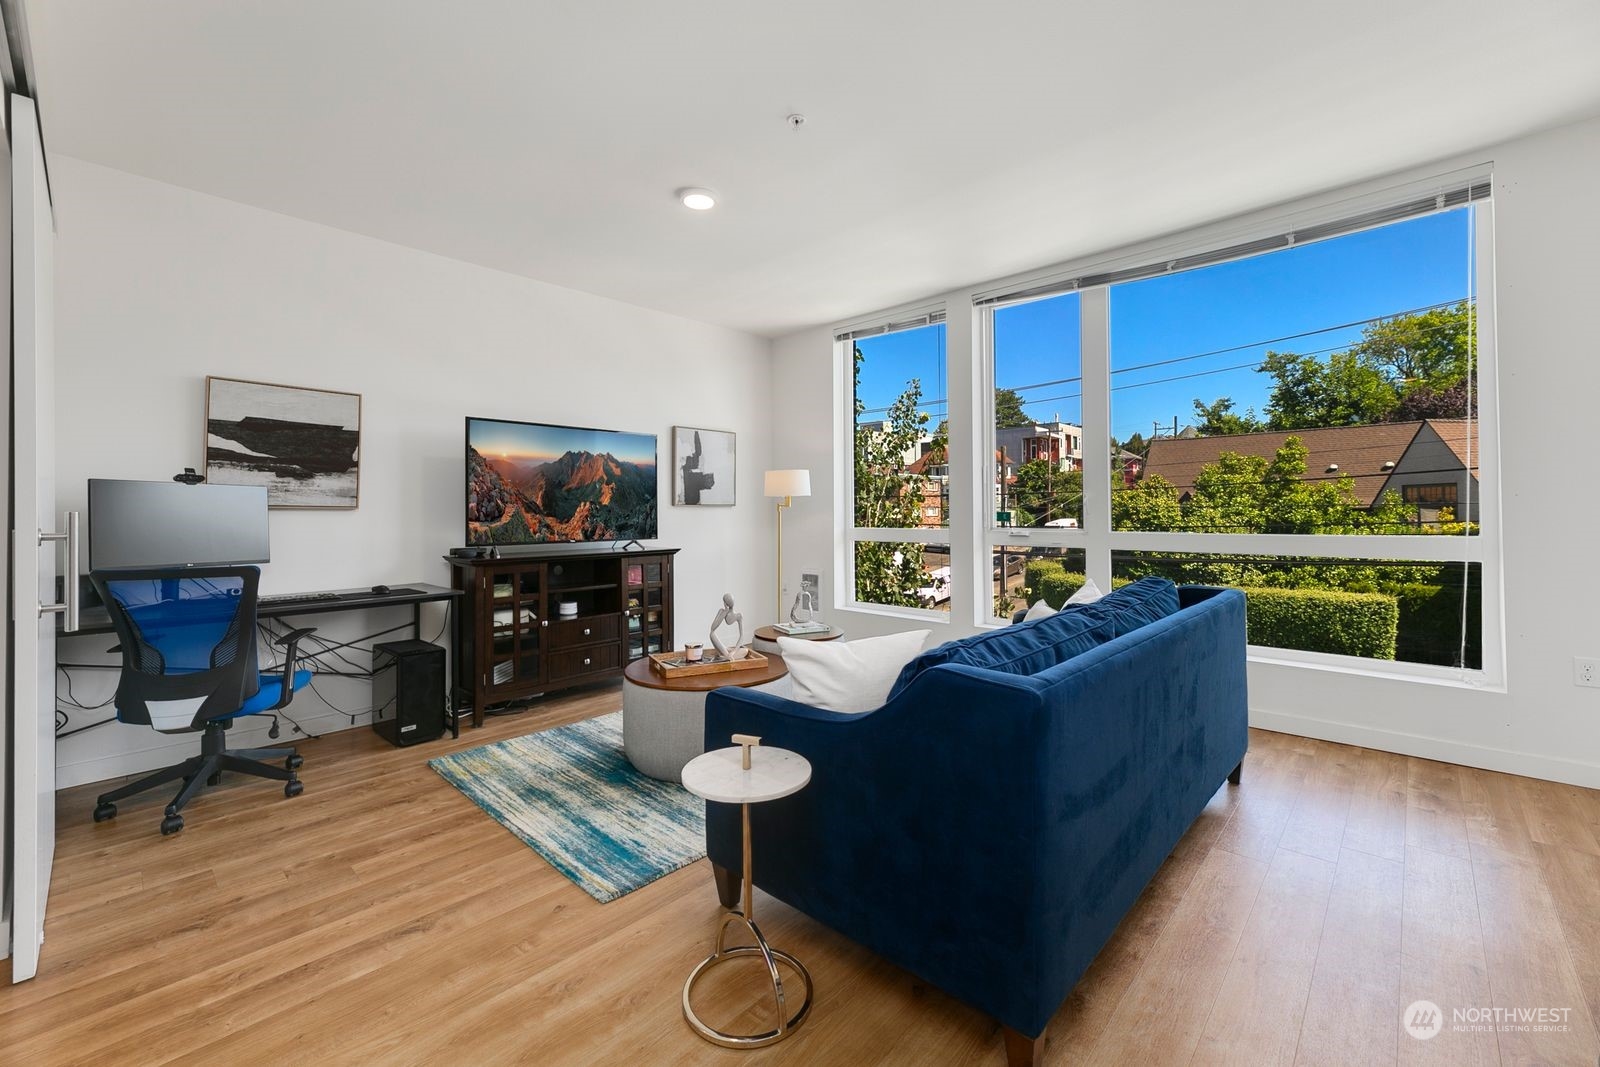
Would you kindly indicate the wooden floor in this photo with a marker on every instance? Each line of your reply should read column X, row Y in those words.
column 380, row 918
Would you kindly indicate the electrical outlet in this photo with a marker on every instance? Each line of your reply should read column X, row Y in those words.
column 1586, row 671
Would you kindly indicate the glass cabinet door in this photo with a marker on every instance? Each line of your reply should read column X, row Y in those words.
column 513, row 647
column 645, row 588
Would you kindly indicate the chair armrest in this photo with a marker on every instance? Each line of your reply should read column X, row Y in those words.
column 290, row 643
column 294, row 637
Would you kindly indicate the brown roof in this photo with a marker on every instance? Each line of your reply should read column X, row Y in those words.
column 1360, row 452
column 935, row 457
column 1458, row 433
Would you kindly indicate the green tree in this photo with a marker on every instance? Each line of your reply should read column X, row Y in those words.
column 1434, row 348
column 1405, row 367
column 1150, row 504
column 1218, row 419
column 1043, row 494
column 1308, row 393
column 888, row 495
column 1252, row 494
column 1008, row 409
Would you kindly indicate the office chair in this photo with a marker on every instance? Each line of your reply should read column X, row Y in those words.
column 188, row 642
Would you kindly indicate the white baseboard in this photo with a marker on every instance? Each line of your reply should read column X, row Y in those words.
column 1527, row 764
column 163, row 750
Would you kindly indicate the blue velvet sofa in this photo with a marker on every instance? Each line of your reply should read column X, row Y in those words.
column 989, row 826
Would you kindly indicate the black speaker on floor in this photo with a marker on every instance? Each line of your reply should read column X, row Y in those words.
column 408, row 691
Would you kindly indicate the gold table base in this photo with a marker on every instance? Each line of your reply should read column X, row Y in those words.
column 786, row 1023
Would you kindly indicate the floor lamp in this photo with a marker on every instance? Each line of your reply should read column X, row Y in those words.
column 785, row 485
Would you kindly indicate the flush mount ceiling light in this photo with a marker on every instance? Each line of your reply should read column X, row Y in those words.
column 697, row 199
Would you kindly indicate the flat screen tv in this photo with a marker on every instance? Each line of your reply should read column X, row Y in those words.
column 533, row 483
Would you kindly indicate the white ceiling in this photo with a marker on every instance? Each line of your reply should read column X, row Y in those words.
column 946, row 144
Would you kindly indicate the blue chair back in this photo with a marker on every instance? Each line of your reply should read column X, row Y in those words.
column 188, row 642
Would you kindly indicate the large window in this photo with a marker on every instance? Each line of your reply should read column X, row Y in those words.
column 1299, row 410
column 1325, row 391
column 900, row 469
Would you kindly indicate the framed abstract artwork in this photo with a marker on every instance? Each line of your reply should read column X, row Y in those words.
column 704, row 463
column 303, row 444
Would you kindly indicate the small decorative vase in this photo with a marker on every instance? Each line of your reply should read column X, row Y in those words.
column 804, row 609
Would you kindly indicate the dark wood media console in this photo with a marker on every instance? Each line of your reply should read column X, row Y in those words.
column 513, row 642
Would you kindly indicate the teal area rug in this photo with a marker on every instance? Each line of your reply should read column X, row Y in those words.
column 573, row 797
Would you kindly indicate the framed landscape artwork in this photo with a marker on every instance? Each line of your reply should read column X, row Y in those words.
column 703, row 466
column 304, row 445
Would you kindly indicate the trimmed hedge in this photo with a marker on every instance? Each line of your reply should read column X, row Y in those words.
column 1048, row 580
column 1430, row 623
column 1313, row 620
column 1323, row 620
column 1037, row 571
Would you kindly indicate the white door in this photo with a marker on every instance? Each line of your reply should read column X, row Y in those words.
column 37, row 536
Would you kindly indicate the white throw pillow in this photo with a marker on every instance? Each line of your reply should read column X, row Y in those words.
column 848, row 675
column 1087, row 593
column 1041, row 610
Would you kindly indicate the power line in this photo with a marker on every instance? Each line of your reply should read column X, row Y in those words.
column 1214, row 352
column 1296, row 336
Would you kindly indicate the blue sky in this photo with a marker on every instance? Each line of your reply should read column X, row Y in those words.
column 1381, row 272
column 518, row 439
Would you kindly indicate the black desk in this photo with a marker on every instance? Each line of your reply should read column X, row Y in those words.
column 97, row 620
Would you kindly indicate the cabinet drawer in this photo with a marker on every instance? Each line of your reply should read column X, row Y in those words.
column 590, row 630
column 574, row 664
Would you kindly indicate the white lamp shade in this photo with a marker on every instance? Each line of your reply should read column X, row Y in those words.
column 788, row 483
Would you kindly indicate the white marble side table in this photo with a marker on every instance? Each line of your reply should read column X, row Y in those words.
column 745, row 775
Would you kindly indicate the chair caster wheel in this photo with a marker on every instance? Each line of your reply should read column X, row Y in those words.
column 294, row 789
column 105, row 810
column 171, row 825
column 294, row 762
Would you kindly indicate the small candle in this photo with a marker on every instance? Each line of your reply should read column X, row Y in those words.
column 691, row 653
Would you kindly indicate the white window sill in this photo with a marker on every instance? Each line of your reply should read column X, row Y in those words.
column 889, row 611
column 1384, row 670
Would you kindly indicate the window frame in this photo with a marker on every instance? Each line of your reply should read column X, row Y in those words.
column 897, row 321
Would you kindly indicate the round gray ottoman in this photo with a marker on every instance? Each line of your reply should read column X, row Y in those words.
column 663, row 724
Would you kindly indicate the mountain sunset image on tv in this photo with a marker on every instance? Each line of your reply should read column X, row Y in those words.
column 533, row 483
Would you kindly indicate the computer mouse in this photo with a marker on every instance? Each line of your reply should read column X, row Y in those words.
column 380, row 590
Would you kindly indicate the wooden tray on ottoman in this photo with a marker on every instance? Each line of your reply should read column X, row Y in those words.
column 673, row 665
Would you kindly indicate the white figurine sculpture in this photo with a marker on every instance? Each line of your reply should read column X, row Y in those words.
column 728, row 617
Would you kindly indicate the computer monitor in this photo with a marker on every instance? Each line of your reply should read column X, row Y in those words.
column 168, row 524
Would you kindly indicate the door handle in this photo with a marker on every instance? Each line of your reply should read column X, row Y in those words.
column 68, row 608
column 586, row 631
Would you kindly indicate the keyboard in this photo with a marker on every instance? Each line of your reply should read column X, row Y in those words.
column 296, row 598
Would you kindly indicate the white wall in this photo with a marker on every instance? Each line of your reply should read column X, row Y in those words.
column 159, row 286
column 1547, row 272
